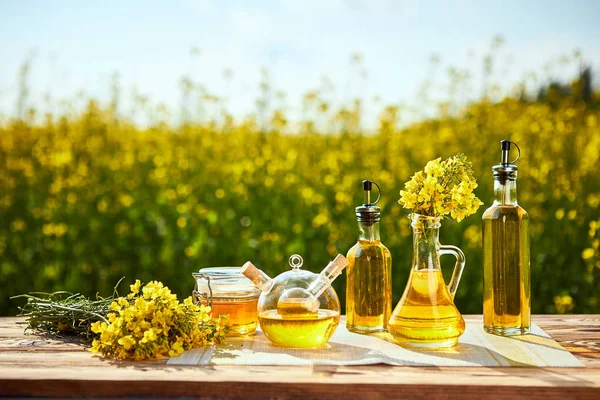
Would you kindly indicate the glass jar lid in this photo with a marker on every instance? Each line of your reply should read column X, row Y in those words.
column 223, row 283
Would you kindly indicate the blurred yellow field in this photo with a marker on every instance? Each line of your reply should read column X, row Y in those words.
column 86, row 200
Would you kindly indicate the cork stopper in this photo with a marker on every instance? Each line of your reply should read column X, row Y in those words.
column 250, row 271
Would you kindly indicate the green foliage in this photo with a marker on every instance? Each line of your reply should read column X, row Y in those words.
column 62, row 312
column 86, row 200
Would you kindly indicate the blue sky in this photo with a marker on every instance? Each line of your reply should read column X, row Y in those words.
column 79, row 44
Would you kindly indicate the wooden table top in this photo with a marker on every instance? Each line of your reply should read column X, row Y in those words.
column 35, row 366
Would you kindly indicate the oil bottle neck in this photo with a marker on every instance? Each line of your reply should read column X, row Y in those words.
column 257, row 276
column 328, row 275
column 263, row 282
column 505, row 192
column 368, row 231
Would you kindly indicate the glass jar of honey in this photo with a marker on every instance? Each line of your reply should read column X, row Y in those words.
column 229, row 292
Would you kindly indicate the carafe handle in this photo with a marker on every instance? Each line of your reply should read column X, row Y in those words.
column 458, row 267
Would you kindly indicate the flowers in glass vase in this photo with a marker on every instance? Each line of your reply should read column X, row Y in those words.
column 443, row 188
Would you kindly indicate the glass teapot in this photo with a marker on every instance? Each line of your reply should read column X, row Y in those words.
column 298, row 308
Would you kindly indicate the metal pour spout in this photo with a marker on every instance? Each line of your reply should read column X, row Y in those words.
column 505, row 152
column 505, row 145
column 367, row 187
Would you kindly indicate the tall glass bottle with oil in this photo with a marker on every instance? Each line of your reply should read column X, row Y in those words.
column 369, row 274
column 506, row 270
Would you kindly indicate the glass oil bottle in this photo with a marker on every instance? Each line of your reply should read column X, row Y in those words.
column 426, row 316
column 369, row 274
column 298, row 308
column 506, row 269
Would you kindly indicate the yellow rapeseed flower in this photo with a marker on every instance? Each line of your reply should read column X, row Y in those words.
column 587, row 253
column 150, row 335
column 127, row 342
column 442, row 188
column 151, row 323
column 135, row 288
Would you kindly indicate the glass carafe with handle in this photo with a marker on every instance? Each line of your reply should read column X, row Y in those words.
column 426, row 315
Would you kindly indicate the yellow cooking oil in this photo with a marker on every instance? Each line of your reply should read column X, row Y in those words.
column 243, row 315
column 368, row 287
column 506, row 276
column 426, row 315
column 299, row 329
column 303, row 307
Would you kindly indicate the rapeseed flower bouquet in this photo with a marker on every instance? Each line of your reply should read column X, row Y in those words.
column 152, row 323
column 147, row 323
column 443, row 188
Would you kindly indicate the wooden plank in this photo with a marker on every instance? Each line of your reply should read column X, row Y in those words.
column 13, row 337
column 288, row 382
column 106, row 370
column 579, row 334
column 33, row 366
column 40, row 344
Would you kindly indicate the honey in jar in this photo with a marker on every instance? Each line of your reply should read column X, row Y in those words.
column 228, row 292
